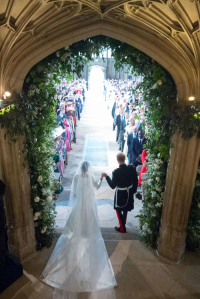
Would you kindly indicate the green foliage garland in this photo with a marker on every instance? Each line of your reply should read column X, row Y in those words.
column 32, row 116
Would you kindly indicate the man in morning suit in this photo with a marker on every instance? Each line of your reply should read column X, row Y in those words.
column 118, row 120
column 125, row 180
column 123, row 124
column 137, row 147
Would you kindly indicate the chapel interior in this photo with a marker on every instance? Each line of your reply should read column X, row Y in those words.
column 169, row 32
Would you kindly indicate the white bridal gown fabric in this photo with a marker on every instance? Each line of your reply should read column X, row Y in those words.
column 79, row 262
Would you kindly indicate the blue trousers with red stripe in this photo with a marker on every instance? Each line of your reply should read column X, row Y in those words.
column 122, row 216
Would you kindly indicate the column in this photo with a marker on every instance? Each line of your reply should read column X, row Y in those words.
column 17, row 199
column 121, row 74
column 125, row 72
column 180, row 182
column 116, row 74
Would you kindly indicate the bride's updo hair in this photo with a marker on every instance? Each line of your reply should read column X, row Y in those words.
column 84, row 166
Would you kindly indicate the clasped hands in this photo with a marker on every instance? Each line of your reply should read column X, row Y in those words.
column 103, row 175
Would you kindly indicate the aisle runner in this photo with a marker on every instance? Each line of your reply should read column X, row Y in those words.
column 96, row 150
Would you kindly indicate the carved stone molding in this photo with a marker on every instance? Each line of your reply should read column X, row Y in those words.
column 19, row 215
column 181, row 175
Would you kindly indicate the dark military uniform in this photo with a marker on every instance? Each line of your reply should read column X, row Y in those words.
column 125, row 181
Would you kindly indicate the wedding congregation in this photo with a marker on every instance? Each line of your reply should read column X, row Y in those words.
column 70, row 97
column 128, row 113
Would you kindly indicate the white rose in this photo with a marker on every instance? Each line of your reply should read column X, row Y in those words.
column 159, row 82
column 158, row 155
column 153, row 214
column 44, row 229
column 145, row 227
column 39, row 179
column 153, row 193
column 157, row 179
column 49, row 199
column 36, row 199
column 35, row 217
column 198, row 204
column 159, row 189
column 37, row 214
column 44, row 191
column 156, row 166
column 158, row 205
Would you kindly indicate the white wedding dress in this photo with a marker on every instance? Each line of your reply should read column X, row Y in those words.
column 79, row 262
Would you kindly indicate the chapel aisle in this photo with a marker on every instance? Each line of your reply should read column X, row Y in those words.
column 96, row 143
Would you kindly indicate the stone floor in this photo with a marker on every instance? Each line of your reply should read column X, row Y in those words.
column 140, row 273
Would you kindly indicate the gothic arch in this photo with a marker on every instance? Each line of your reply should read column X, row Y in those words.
column 22, row 57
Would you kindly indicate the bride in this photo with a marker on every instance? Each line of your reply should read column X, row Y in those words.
column 79, row 262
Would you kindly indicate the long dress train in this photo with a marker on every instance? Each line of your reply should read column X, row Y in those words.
column 79, row 262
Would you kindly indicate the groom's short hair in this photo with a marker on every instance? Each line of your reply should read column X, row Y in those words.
column 121, row 157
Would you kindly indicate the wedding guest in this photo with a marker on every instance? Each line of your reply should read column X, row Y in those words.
column 144, row 158
column 119, row 118
column 128, row 130
column 137, row 147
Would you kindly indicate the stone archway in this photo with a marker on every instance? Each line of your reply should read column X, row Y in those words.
column 167, row 32
column 20, row 62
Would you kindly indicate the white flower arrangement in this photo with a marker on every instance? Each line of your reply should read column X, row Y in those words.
column 44, row 191
column 158, row 204
column 36, row 199
column 44, row 229
column 154, row 194
column 49, row 199
column 197, row 183
column 40, row 178
column 159, row 189
column 36, row 215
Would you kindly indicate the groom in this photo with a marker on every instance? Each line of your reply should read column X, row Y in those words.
column 125, row 180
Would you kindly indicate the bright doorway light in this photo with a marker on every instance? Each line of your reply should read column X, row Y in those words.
column 96, row 77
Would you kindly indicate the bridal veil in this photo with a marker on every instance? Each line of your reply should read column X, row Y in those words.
column 79, row 266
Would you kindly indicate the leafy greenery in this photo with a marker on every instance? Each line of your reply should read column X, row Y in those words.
column 32, row 115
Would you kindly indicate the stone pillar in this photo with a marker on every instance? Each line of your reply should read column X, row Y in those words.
column 19, row 215
column 121, row 74
column 108, row 69
column 125, row 72
column 113, row 69
column 180, row 182
column 116, row 74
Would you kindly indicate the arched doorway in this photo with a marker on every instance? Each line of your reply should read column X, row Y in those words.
column 32, row 37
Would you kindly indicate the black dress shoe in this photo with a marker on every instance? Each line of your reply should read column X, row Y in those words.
column 117, row 228
column 138, row 196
